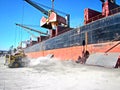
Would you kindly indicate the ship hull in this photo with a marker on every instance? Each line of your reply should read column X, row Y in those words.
column 101, row 36
column 72, row 53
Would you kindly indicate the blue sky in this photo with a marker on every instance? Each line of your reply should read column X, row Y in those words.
column 18, row 11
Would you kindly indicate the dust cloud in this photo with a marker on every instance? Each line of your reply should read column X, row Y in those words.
column 68, row 75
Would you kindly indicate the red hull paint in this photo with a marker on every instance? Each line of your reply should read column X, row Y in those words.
column 72, row 53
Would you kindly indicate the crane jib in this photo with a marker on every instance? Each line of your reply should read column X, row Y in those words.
column 31, row 29
column 37, row 7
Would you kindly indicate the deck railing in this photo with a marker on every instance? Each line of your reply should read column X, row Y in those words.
column 112, row 12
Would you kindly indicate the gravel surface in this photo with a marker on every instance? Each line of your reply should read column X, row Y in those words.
column 51, row 74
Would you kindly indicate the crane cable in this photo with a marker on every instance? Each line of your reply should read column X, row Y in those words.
column 19, row 36
column 47, row 7
column 15, row 38
column 21, row 33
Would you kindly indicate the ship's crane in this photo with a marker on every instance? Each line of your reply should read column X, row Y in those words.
column 30, row 33
column 46, row 22
column 37, row 7
column 28, row 28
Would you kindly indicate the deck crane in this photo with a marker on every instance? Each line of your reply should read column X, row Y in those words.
column 32, row 34
column 29, row 33
column 40, row 38
column 37, row 7
column 53, row 17
column 23, row 26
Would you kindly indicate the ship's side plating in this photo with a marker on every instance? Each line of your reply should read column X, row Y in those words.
column 68, row 45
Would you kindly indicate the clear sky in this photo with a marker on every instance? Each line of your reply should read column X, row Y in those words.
column 18, row 11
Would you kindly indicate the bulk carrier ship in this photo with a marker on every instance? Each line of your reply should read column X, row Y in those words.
column 98, row 40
